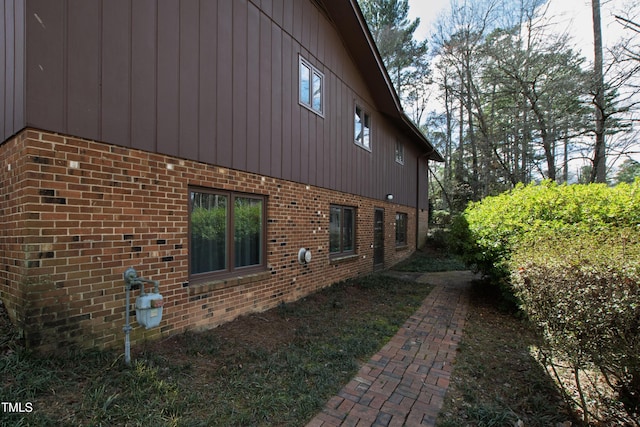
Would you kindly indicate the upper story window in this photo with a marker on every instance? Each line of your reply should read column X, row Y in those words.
column 399, row 152
column 362, row 128
column 311, row 87
column 226, row 233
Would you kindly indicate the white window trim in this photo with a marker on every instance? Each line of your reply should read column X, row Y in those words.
column 314, row 70
column 399, row 148
column 365, row 113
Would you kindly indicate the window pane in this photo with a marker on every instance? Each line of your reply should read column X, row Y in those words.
column 365, row 133
column 358, row 125
column 334, row 229
column 247, row 233
column 305, row 77
column 208, row 232
column 399, row 152
column 401, row 229
column 317, row 92
column 347, row 230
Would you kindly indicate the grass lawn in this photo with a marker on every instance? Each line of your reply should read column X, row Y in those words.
column 273, row 368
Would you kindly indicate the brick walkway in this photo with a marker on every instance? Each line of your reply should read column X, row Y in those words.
column 405, row 383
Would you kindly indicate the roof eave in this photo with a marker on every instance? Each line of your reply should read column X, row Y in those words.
column 352, row 25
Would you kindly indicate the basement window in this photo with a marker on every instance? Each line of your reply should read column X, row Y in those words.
column 226, row 233
column 342, row 230
column 401, row 229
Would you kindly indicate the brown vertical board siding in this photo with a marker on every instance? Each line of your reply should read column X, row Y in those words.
column 324, row 34
column 19, row 121
column 277, row 115
column 46, row 83
column 336, row 133
column 208, row 78
column 7, row 71
column 305, row 142
column 210, row 81
column 144, row 49
column 306, row 12
column 334, row 114
column 320, row 153
column 313, row 147
column 348, row 162
column 115, row 109
column 286, row 108
column 264, row 118
column 295, row 138
column 168, row 71
column 414, row 186
column 423, row 187
column 6, row 76
column 189, row 90
column 343, row 139
column 224, row 84
column 83, row 68
column 240, row 72
column 254, row 79
column 265, row 5
column 10, row 81
column 277, row 12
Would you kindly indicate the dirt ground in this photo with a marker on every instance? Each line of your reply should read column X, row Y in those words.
column 275, row 328
column 267, row 330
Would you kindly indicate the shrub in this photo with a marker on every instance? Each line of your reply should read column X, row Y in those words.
column 570, row 255
column 440, row 217
column 491, row 228
column 582, row 289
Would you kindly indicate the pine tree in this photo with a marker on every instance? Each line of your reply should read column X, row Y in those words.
column 403, row 56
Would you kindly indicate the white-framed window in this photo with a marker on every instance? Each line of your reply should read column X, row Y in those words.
column 362, row 128
column 311, row 87
column 399, row 152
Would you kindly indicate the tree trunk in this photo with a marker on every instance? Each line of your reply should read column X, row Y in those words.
column 599, row 171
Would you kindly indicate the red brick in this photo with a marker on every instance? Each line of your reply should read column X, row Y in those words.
column 118, row 191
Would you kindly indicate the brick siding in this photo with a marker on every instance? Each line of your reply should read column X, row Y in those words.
column 76, row 213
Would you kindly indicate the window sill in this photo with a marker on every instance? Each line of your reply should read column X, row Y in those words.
column 313, row 110
column 364, row 147
column 339, row 259
column 214, row 285
column 402, row 248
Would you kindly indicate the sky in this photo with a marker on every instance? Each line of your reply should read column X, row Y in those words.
column 574, row 15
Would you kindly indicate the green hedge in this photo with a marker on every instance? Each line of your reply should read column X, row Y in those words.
column 489, row 229
column 582, row 290
column 570, row 257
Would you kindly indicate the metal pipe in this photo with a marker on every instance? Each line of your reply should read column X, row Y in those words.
column 130, row 276
column 127, row 329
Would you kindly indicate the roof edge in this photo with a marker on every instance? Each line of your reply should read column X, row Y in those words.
column 345, row 18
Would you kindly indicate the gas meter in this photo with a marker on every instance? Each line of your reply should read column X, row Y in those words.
column 148, row 304
column 149, row 308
